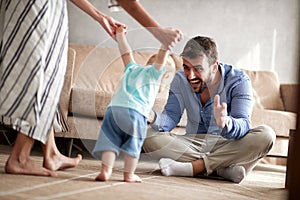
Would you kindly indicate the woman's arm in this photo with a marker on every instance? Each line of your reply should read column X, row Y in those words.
column 167, row 36
column 107, row 22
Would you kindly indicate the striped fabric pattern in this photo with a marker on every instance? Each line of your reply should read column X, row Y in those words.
column 33, row 59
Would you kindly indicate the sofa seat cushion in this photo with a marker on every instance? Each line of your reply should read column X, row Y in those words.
column 280, row 121
column 89, row 102
column 93, row 103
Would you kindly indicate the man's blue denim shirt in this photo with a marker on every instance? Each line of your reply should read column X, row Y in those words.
column 235, row 90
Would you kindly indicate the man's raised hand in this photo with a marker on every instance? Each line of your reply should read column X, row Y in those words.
column 220, row 112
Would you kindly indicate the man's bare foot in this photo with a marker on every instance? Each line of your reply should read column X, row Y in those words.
column 105, row 173
column 58, row 161
column 131, row 178
column 26, row 167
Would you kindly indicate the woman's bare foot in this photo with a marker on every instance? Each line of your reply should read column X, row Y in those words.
column 19, row 161
column 58, row 161
column 27, row 167
column 105, row 173
column 131, row 178
column 53, row 159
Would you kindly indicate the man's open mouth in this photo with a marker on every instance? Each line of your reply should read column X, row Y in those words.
column 195, row 82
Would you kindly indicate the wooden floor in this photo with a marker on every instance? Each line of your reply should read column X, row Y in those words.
column 79, row 183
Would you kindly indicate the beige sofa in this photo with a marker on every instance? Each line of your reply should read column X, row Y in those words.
column 93, row 74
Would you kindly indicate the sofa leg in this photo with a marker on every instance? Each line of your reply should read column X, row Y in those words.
column 68, row 147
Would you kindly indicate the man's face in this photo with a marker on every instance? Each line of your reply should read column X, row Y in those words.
column 198, row 72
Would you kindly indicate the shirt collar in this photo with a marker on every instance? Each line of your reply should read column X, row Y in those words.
column 222, row 83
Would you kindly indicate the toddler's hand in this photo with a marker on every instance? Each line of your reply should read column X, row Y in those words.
column 121, row 29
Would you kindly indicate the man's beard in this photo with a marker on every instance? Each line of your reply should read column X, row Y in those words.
column 198, row 82
column 204, row 84
column 203, row 87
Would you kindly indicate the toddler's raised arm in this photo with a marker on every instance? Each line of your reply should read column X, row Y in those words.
column 124, row 47
column 161, row 57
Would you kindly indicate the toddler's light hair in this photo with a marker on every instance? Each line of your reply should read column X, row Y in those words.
column 170, row 63
column 171, row 69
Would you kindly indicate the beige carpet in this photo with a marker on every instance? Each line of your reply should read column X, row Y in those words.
column 78, row 183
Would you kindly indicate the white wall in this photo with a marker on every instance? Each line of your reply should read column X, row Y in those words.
column 259, row 34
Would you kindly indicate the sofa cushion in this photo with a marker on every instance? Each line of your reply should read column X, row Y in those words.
column 266, row 89
column 82, row 51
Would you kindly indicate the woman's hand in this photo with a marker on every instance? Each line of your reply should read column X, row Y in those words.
column 167, row 36
column 110, row 25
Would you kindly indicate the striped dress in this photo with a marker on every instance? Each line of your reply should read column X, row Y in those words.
column 33, row 59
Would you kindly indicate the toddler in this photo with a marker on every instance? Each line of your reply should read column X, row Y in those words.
column 124, row 125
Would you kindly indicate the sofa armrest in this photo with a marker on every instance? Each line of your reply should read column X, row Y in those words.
column 68, row 82
column 280, row 121
column 289, row 96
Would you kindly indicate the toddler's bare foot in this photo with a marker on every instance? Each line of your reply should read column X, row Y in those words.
column 27, row 167
column 131, row 178
column 58, row 161
column 105, row 173
column 102, row 177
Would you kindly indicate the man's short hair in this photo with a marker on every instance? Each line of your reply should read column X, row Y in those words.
column 199, row 46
